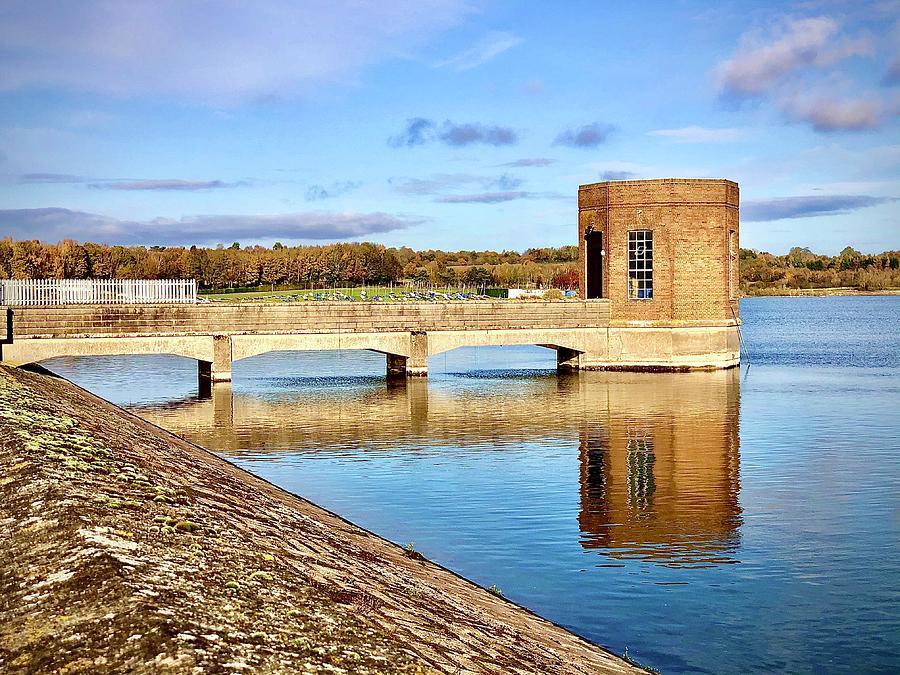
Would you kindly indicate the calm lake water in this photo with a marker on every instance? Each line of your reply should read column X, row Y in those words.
column 731, row 522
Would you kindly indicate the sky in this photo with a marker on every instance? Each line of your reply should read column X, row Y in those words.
column 441, row 123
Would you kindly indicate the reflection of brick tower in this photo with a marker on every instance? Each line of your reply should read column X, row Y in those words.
column 660, row 471
column 665, row 254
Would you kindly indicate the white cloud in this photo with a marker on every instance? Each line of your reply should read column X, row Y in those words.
column 702, row 134
column 208, row 50
column 826, row 113
column 491, row 45
column 55, row 224
column 794, row 66
column 762, row 62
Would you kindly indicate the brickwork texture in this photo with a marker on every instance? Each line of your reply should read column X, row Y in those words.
column 695, row 229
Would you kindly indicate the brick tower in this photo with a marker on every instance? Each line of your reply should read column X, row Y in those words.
column 664, row 253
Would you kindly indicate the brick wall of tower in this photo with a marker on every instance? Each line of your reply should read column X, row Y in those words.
column 695, row 264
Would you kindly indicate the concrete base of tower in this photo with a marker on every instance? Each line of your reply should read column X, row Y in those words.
column 657, row 349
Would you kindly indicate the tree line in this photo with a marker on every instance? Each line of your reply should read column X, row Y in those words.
column 800, row 268
column 330, row 265
column 350, row 264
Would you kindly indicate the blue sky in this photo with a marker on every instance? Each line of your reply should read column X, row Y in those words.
column 441, row 123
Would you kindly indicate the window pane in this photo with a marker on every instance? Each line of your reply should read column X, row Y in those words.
column 640, row 264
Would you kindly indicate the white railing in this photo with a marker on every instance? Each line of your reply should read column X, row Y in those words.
column 96, row 291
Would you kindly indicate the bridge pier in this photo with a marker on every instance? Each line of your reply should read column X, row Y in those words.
column 414, row 365
column 568, row 359
column 219, row 369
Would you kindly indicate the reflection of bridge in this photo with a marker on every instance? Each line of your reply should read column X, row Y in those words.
column 659, row 453
column 217, row 334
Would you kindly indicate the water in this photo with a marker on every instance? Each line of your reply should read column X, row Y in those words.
column 726, row 522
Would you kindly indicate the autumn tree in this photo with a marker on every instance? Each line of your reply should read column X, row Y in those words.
column 29, row 260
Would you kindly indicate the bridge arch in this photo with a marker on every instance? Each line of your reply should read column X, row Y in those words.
column 22, row 352
column 245, row 346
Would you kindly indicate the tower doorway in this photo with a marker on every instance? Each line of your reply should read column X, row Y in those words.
column 594, row 264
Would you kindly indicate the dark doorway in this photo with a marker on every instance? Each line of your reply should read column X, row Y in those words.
column 594, row 264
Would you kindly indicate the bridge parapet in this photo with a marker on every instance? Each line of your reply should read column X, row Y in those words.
column 313, row 318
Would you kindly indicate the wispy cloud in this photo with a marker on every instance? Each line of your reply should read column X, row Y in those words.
column 52, row 178
column 457, row 188
column 507, row 182
column 448, row 182
column 435, row 184
column 624, row 170
column 483, row 198
column 317, row 192
column 702, row 134
column 467, row 134
column 764, row 61
column 176, row 184
column 498, row 197
column 617, row 175
column 54, row 224
column 491, row 45
column 145, row 47
column 419, row 131
column 166, row 184
column 529, row 162
column 588, row 136
column 806, row 206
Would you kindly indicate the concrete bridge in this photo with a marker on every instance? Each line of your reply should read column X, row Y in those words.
column 658, row 266
column 218, row 334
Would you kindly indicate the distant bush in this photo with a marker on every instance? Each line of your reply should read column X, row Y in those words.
column 553, row 294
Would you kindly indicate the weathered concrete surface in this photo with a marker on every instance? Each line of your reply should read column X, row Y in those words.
column 124, row 548
column 218, row 335
column 662, row 348
column 70, row 321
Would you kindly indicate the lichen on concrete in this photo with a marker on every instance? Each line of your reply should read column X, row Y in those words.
column 126, row 549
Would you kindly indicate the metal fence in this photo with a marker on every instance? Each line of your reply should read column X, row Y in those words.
column 96, row 291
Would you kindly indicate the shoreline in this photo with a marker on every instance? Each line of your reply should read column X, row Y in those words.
column 820, row 293
column 128, row 548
